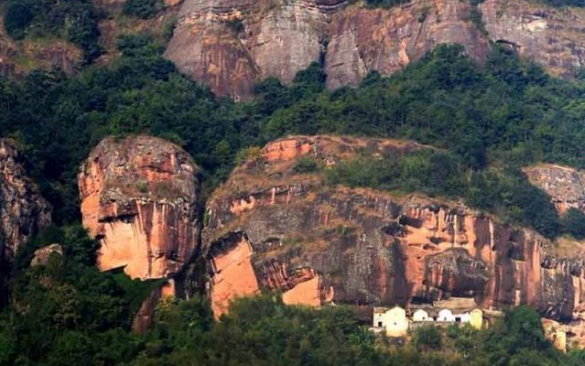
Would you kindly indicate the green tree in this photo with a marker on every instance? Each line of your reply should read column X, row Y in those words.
column 574, row 223
column 427, row 337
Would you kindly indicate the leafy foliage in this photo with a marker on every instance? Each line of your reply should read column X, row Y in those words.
column 574, row 223
column 504, row 192
column 74, row 20
column 306, row 165
column 505, row 114
column 427, row 337
column 17, row 19
column 142, row 8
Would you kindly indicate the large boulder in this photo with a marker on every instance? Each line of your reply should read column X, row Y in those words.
column 140, row 198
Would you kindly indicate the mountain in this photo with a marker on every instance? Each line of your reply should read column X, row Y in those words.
column 232, row 45
column 214, row 182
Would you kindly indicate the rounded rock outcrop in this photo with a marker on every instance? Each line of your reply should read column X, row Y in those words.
column 140, row 199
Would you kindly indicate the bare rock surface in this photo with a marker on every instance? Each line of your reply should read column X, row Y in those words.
column 140, row 198
column 272, row 228
column 23, row 211
column 232, row 45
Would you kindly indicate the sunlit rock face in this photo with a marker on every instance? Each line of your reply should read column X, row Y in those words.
column 364, row 40
column 232, row 45
column 23, row 211
column 140, row 198
column 272, row 228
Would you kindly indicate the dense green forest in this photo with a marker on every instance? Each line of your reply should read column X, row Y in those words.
column 67, row 313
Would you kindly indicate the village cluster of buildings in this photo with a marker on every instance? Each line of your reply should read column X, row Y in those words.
column 396, row 321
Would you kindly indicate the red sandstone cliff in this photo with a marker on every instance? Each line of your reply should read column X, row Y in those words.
column 23, row 211
column 231, row 45
column 272, row 228
column 140, row 198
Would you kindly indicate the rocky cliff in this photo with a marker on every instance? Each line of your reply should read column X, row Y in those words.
column 231, row 45
column 140, row 197
column 23, row 211
column 269, row 227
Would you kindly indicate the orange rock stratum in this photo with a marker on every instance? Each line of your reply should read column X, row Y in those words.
column 140, row 198
column 272, row 228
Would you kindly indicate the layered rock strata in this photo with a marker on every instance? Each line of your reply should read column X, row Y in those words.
column 272, row 228
column 565, row 185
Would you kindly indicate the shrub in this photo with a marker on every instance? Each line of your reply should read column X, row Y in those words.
column 252, row 154
column 306, row 165
column 427, row 337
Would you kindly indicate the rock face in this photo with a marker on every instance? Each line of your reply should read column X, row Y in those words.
column 549, row 36
column 271, row 228
column 140, row 198
column 145, row 317
column 565, row 185
column 231, row 45
column 364, row 40
column 23, row 211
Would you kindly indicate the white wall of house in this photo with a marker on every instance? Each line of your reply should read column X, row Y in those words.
column 421, row 316
column 446, row 315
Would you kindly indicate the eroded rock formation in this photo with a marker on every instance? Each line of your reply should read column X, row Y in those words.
column 140, row 198
column 23, row 211
column 231, row 45
column 565, row 185
column 272, row 228
column 549, row 36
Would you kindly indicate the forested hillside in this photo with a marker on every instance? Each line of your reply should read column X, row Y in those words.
column 489, row 121
column 492, row 119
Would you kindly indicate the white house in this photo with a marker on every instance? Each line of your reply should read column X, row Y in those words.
column 421, row 315
column 446, row 315
column 393, row 321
